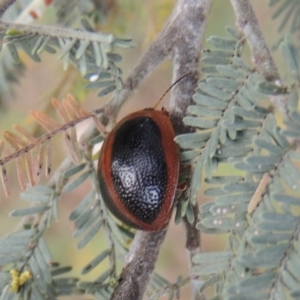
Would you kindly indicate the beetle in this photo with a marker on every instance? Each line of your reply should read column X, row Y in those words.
column 138, row 170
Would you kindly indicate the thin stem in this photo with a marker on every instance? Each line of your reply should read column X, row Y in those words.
column 247, row 22
column 57, row 32
column 139, row 265
column 186, row 56
column 185, row 27
column 4, row 5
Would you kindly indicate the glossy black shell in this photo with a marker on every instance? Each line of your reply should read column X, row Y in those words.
column 139, row 168
column 133, row 171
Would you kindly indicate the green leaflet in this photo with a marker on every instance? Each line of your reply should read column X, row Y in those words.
column 190, row 213
column 60, row 270
column 99, row 84
column 240, row 187
column 248, row 113
column 33, row 197
column 196, row 181
column 74, row 170
column 289, row 281
column 82, row 205
column 96, row 140
column 230, row 72
column 192, row 140
column 107, row 90
column 212, row 257
column 295, row 117
column 259, row 160
column 241, row 124
column 223, row 179
column 293, row 265
column 293, row 99
column 270, row 88
column 209, row 101
column 244, row 102
column 83, row 218
column 214, row 91
column 94, row 230
column 29, row 211
column 223, row 223
column 215, row 60
column 267, row 258
column 226, row 83
column 204, row 111
column 105, row 275
column 27, row 47
column 75, row 183
column 178, row 216
column 267, row 238
column 234, row 199
column 257, row 283
column 188, row 155
column 273, row 149
column 8, row 259
column 208, row 70
column 283, row 198
column 274, row 226
column 14, row 53
column 224, row 210
column 288, row 178
column 96, row 261
column 43, row 266
column 83, row 226
column 199, row 122
column 36, row 273
column 214, row 192
column 212, row 268
column 234, row 151
column 291, row 55
column 223, row 43
column 45, row 251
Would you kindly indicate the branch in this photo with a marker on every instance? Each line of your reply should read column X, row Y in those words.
column 4, row 5
column 139, row 265
column 181, row 40
column 57, row 32
column 186, row 56
column 247, row 22
column 185, row 27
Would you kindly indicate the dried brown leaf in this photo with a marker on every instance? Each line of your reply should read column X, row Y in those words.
column 24, row 132
column 38, row 166
column 73, row 113
column 48, row 149
column 2, row 144
column 61, row 110
column 99, row 125
column 70, row 144
column 73, row 135
column 14, row 140
column 261, row 189
column 80, row 111
column 21, row 172
column 45, row 121
column 5, row 181
column 30, row 169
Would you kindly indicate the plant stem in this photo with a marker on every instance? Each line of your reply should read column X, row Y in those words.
column 4, row 5
column 57, row 32
column 139, row 265
column 181, row 40
column 247, row 22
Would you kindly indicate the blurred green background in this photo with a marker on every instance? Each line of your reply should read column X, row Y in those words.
column 141, row 20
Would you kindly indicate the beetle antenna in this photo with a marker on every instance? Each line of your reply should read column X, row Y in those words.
column 157, row 103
